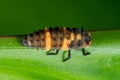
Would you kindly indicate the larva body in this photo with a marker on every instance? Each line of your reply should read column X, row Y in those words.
column 59, row 39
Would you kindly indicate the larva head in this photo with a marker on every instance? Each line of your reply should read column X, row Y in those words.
column 86, row 38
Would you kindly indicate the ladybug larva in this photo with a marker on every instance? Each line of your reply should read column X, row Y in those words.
column 59, row 39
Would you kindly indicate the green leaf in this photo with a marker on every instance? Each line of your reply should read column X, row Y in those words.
column 21, row 63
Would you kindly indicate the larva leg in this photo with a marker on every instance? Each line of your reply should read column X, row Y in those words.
column 69, row 56
column 51, row 53
column 84, row 53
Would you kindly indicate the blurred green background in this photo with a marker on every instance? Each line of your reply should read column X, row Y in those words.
column 19, row 17
column 24, row 16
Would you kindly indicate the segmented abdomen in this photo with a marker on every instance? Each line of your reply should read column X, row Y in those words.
column 58, row 38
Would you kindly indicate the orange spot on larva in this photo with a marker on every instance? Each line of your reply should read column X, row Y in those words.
column 65, row 44
column 78, row 37
column 48, row 39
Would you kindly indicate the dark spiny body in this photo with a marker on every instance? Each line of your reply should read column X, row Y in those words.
column 58, row 36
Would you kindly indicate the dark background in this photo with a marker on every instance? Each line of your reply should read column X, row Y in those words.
column 19, row 17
